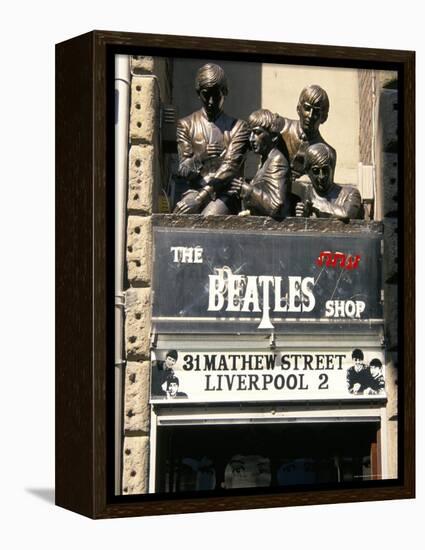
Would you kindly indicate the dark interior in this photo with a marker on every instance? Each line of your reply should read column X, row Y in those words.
column 191, row 458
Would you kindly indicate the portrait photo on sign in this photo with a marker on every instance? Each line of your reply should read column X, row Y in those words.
column 256, row 279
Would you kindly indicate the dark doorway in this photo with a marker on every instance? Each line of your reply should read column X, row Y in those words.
column 265, row 455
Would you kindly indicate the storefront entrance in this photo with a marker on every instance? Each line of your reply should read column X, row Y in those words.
column 193, row 458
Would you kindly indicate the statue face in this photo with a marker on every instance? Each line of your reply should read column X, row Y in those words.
column 212, row 100
column 321, row 176
column 260, row 140
column 310, row 116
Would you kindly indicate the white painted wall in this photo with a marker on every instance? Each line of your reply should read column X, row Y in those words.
column 281, row 87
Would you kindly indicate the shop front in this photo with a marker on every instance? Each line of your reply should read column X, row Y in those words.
column 278, row 451
column 275, row 380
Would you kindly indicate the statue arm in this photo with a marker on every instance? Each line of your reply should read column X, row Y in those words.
column 352, row 205
column 234, row 155
column 190, row 164
column 268, row 193
column 346, row 209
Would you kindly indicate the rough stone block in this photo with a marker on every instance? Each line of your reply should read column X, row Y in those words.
column 390, row 250
column 388, row 120
column 391, row 378
column 137, row 323
column 141, row 178
column 390, row 181
column 142, row 64
column 144, row 109
column 391, row 381
column 157, row 66
column 139, row 249
column 391, row 316
column 135, row 465
column 136, row 401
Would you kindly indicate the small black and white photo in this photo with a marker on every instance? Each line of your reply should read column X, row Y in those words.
column 363, row 377
column 165, row 384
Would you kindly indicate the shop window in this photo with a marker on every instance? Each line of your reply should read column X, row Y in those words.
column 202, row 458
column 247, row 471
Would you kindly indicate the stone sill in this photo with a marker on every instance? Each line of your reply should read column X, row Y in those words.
column 259, row 223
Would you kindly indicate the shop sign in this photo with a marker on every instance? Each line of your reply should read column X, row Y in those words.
column 233, row 281
column 281, row 375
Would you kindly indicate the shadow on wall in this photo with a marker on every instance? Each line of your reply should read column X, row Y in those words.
column 244, row 80
column 244, row 97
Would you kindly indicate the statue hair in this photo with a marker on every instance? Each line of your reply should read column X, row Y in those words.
column 210, row 75
column 316, row 94
column 265, row 119
column 319, row 154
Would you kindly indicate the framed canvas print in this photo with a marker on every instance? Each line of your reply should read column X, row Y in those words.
column 235, row 288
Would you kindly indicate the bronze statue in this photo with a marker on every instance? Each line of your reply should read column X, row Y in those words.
column 324, row 198
column 211, row 147
column 298, row 135
column 265, row 194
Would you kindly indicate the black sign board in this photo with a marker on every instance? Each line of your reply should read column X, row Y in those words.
column 226, row 281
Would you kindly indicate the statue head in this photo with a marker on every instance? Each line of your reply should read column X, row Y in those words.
column 312, row 109
column 319, row 164
column 264, row 131
column 211, row 86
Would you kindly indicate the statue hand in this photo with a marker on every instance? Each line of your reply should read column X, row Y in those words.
column 191, row 204
column 303, row 209
column 235, row 186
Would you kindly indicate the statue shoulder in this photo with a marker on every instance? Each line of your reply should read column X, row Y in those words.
column 236, row 125
column 277, row 159
column 287, row 125
column 345, row 193
column 347, row 189
column 188, row 120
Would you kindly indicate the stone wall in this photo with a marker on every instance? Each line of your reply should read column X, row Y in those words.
column 147, row 169
column 387, row 152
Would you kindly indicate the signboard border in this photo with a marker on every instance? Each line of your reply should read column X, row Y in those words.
column 279, row 321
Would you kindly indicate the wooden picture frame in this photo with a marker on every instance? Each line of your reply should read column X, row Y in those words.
column 85, row 442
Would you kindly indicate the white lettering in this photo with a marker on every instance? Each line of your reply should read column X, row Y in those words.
column 344, row 308
column 248, row 293
column 216, row 298
column 278, row 296
column 234, row 289
column 265, row 281
column 309, row 301
column 294, row 293
column 187, row 254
